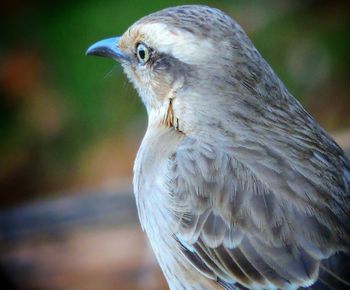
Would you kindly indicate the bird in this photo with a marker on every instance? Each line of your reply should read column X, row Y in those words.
column 237, row 186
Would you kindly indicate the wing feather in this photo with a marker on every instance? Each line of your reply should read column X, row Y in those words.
column 270, row 229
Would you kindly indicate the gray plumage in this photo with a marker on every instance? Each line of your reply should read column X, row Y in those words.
column 237, row 186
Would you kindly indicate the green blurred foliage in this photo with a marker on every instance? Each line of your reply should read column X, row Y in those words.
column 55, row 102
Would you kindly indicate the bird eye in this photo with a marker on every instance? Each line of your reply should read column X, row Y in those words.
column 142, row 53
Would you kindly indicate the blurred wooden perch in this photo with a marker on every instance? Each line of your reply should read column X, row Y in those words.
column 86, row 241
column 58, row 215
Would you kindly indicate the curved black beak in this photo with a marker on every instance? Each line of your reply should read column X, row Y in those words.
column 107, row 48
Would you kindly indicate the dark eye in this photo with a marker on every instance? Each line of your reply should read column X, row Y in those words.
column 142, row 53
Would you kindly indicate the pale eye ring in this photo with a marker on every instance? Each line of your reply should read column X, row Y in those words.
column 142, row 53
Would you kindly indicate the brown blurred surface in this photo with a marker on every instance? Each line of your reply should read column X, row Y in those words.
column 91, row 259
column 87, row 241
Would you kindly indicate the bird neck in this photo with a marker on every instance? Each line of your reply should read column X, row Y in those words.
column 163, row 116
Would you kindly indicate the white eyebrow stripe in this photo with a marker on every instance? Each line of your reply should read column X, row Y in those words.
column 173, row 42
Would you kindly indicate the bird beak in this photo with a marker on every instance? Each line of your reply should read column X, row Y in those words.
column 107, row 48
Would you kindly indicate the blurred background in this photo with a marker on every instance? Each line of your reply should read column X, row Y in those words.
column 70, row 126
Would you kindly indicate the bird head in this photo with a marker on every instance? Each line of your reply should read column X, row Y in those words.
column 185, row 61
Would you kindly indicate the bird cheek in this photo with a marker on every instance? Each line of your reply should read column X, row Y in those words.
column 142, row 78
column 134, row 77
column 161, row 85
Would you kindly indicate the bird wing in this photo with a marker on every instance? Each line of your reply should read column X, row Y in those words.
column 258, row 223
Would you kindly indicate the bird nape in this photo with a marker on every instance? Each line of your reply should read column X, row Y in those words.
column 237, row 186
